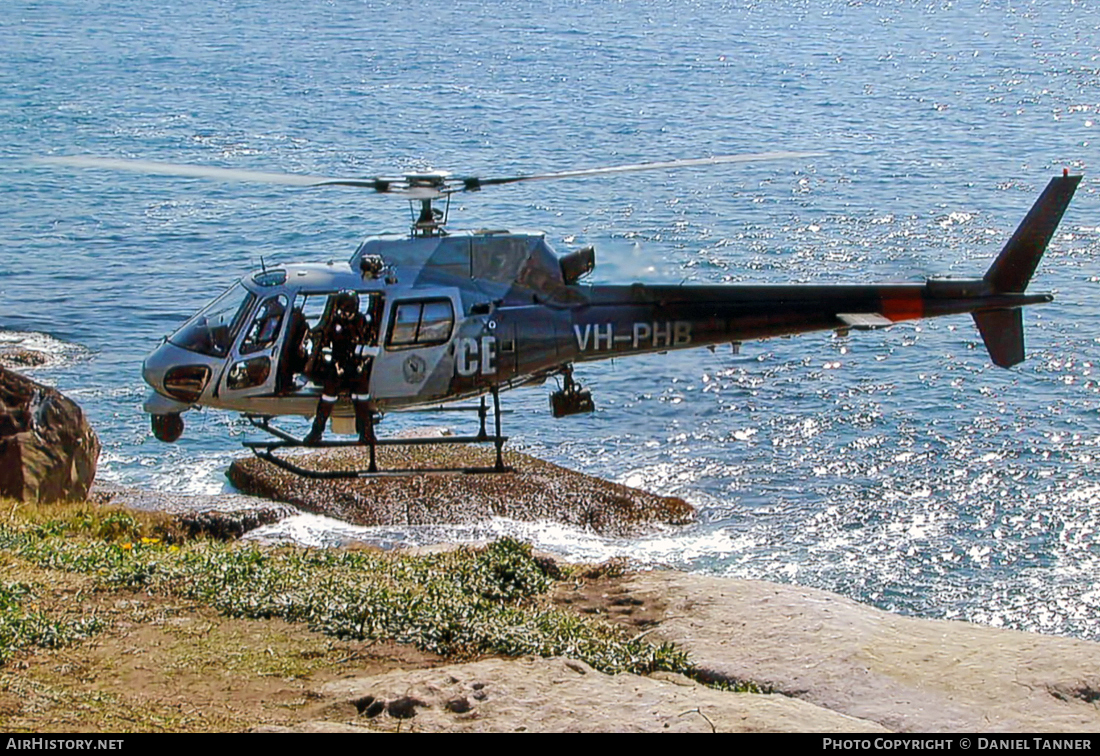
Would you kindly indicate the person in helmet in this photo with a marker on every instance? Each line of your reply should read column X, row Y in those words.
column 341, row 364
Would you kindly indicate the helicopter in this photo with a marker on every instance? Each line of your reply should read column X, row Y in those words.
column 446, row 316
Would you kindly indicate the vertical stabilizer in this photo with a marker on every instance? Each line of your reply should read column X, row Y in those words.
column 1014, row 266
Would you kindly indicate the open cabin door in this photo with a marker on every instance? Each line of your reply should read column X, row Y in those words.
column 252, row 359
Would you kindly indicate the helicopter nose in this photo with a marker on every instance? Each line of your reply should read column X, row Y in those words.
column 156, row 365
column 177, row 373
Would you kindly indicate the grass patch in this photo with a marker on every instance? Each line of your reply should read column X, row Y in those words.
column 461, row 604
column 24, row 627
column 83, row 518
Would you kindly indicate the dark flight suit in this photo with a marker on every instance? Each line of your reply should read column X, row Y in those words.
column 340, row 366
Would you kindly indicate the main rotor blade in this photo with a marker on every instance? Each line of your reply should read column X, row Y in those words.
column 210, row 172
column 473, row 184
column 415, row 186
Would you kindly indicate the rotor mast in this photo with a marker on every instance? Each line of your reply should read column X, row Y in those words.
column 430, row 219
column 425, row 189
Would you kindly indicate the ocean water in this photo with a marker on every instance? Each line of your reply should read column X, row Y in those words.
column 899, row 468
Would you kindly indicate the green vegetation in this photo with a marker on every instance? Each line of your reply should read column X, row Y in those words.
column 22, row 628
column 462, row 604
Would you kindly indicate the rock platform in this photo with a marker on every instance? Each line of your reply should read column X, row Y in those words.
column 904, row 673
column 829, row 663
column 558, row 695
column 537, row 490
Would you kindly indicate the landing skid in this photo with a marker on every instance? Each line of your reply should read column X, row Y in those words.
column 265, row 450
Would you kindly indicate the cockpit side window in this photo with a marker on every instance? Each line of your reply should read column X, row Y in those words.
column 436, row 320
column 265, row 325
column 420, row 323
column 212, row 330
column 405, row 322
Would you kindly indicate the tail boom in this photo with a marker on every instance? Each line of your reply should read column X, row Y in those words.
column 640, row 318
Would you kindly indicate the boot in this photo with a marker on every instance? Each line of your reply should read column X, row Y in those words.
column 364, row 422
column 324, row 410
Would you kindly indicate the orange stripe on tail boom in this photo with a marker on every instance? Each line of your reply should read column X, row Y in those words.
column 902, row 304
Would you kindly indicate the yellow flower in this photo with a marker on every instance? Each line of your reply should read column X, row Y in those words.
column 127, row 546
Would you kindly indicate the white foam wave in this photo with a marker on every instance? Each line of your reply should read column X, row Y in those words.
column 54, row 350
column 672, row 548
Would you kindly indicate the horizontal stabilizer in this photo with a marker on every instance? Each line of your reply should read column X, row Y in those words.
column 1003, row 334
column 1014, row 266
column 864, row 321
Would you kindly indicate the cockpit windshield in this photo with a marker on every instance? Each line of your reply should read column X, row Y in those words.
column 212, row 330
